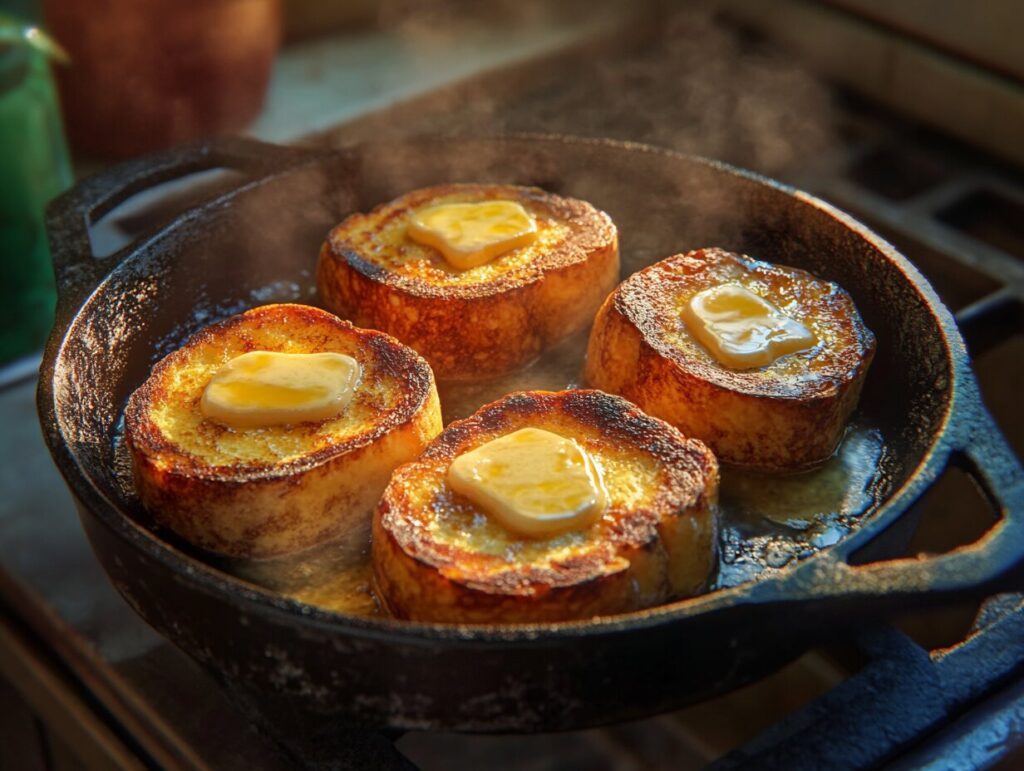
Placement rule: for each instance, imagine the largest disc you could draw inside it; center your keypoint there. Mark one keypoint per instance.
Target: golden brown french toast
(268, 490)
(481, 321)
(786, 413)
(438, 556)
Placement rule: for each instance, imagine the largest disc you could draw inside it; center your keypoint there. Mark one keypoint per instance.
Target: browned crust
(480, 330)
(393, 360)
(646, 299)
(257, 509)
(761, 418)
(625, 568)
(591, 230)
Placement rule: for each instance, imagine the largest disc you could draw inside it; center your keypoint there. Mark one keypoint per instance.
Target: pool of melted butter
(767, 521)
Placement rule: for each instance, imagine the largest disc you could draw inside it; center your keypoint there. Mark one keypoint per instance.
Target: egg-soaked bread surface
(439, 557)
(486, 320)
(787, 414)
(259, 492)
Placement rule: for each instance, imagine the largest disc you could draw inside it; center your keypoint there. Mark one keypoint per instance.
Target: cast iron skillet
(258, 243)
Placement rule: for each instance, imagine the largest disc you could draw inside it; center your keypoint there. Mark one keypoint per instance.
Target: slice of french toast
(482, 321)
(437, 556)
(787, 414)
(264, 491)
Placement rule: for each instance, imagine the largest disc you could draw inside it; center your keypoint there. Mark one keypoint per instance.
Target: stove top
(943, 689)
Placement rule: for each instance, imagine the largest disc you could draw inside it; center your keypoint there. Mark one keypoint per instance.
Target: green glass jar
(34, 168)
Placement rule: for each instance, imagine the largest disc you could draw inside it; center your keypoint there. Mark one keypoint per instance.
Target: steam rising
(690, 82)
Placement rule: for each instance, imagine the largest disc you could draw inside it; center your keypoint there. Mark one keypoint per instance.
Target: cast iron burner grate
(906, 695)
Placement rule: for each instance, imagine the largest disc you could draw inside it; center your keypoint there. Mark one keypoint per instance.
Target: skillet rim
(945, 438)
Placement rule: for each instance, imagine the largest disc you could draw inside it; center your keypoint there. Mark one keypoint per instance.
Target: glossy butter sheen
(265, 388)
(533, 482)
(742, 329)
(473, 234)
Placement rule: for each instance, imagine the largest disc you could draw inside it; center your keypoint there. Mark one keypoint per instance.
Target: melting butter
(742, 329)
(472, 234)
(265, 388)
(533, 482)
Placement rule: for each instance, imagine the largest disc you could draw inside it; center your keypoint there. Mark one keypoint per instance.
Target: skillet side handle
(992, 463)
(69, 216)
(995, 562)
(992, 564)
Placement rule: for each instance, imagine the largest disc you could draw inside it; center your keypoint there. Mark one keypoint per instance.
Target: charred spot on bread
(789, 414)
(275, 490)
(439, 557)
(487, 320)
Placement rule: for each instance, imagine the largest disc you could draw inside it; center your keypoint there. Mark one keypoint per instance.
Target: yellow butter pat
(471, 234)
(533, 482)
(742, 329)
(265, 388)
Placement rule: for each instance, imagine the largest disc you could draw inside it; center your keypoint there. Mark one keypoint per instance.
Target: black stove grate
(905, 695)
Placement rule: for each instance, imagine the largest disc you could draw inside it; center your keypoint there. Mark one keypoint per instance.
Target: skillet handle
(995, 562)
(992, 564)
(69, 216)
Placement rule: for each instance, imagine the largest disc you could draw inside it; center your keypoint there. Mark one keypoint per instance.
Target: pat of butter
(471, 234)
(264, 388)
(534, 482)
(742, 329)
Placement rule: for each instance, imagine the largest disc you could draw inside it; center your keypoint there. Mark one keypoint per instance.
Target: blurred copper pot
(152, 73)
